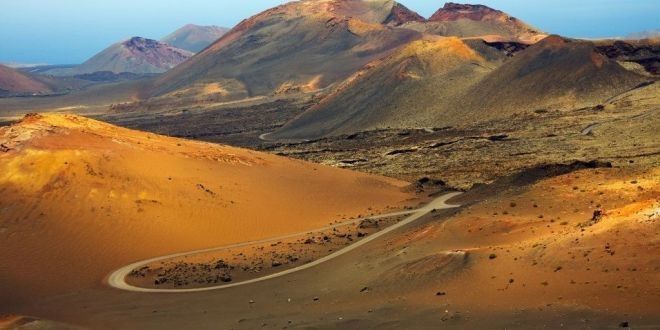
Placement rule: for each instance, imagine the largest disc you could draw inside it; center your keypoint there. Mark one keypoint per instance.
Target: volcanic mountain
(404, 88)
(14, 82)
(194, 38)
(446, 81)
(464, 20)
(136, 55)
(554, 74)
(81, 197)
(301, 46)
(400, 15)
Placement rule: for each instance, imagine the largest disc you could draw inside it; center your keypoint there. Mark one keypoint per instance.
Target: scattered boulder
(368, 224)
(208, 191)
(220, 264)
(509, 48)
(401, 151)
(498, 137)
(427, 183)
(597, 216)
(352, 161)
(351, 136)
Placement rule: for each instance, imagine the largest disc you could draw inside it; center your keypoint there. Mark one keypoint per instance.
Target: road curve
(117, 279)
(264, 137)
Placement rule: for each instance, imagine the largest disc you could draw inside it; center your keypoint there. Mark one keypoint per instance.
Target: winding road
(117, 279)
(264, 137)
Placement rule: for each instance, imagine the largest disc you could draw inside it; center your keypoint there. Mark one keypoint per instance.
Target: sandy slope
(117, 278)
(546, 272)
(81, 198)
(539, 248)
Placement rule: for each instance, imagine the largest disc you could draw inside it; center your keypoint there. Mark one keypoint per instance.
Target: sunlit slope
(406, 88)
(465, 20)
(80, 197)
(439, 82)
(301, 46)
(554, 74)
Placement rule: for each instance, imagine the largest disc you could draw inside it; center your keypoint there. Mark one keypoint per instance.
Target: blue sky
(70, 31)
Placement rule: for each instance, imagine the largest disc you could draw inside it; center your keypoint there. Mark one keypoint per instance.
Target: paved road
(118, 278)
(264, 137)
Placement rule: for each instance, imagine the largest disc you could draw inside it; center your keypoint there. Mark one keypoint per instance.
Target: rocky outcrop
(646, 54)
(401, 15)
(455, 11)
(465, 20)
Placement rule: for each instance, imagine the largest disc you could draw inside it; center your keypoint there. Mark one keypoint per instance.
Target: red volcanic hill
(455, 11)
(401, 14)
(305, 45)
(312, 44)
(464, 20)
(13, 82)
(136, 55)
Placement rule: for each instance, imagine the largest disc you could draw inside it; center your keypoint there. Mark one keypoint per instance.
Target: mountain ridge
(194, 38)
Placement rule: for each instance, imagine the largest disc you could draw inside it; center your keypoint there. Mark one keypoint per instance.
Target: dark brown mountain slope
(554, 74)
(441, 83)
(302, 45)
(405, 88)
(645, 52)
(14, 82)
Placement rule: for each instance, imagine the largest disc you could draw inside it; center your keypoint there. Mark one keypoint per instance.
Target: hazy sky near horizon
(71, 31)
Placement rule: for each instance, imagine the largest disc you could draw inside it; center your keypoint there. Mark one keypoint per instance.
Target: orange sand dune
(80, 198)
(539, 249)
